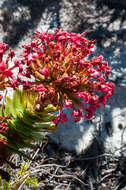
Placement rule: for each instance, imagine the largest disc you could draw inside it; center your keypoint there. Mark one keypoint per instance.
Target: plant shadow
(18, 18)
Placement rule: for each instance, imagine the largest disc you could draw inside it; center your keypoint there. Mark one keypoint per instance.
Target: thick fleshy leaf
(9, 108)
(19, 101)
(2, 109)
(45, 127)
(50, 108)
(25, 124)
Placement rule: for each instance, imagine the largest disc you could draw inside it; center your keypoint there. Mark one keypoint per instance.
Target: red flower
(3, 48)
(0, 97)
(39, 88)
(63, 118)
(2, 66)
(45, 72)
(77, 115)
(7, 73)
(91, 110)
(68, 104)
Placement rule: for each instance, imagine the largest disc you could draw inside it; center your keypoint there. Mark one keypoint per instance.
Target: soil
(63, 170)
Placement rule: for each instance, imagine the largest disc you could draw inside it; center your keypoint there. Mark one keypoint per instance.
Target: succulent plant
(21, 124)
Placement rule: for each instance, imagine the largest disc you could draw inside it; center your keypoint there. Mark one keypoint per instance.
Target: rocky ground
(102, 137)
(58, 169)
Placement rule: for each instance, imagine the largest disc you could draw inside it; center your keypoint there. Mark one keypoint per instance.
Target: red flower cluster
(3, 139)
(6, 72)
(63, 75)
(3, 124)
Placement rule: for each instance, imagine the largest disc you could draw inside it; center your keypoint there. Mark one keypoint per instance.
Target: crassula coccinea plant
(57, 74)
(63, 75)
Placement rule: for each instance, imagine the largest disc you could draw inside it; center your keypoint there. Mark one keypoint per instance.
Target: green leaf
(38, 136)
(46, 117)
(2, 136)
(45, 126)
(21, 144)
(2, 109)
(50, 108)
(19, 103)
(9, 109)
(19, 128)
(28, 118)
(38, 116)
(31, 99)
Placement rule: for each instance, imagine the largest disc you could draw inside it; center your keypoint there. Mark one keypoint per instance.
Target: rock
(112, 134)
(74, 136)
(115, 112)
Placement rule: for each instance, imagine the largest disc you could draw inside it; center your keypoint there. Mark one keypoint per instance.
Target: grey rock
(108, 127)
(74, 136)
